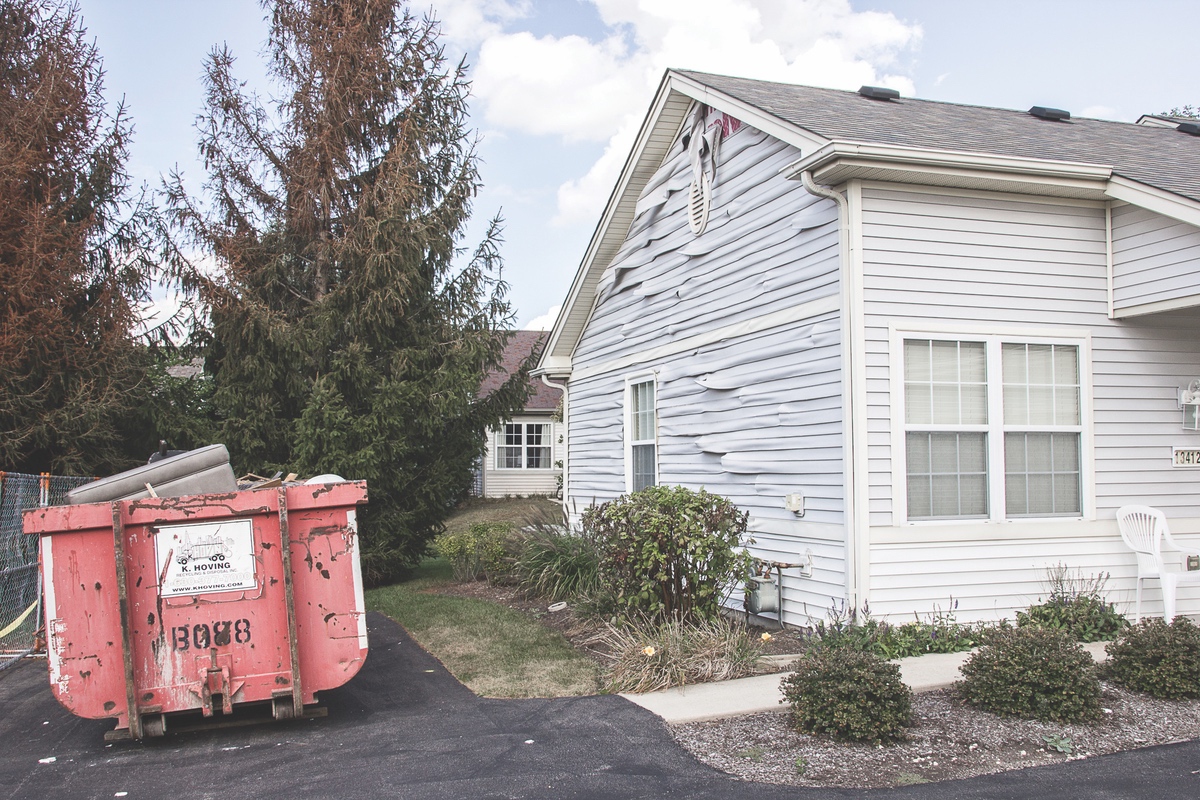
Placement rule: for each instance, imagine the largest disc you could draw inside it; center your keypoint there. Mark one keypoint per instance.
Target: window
(641, 434)
(523, 446)
(992, 429)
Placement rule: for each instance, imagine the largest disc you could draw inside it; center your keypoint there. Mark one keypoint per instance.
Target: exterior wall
(741, 328)
(1156, 260)
(522, 482)
(967, 262)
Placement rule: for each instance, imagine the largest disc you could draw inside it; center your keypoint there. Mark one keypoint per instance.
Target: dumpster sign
(204, 557)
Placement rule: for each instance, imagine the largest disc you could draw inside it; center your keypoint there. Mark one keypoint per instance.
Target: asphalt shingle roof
(520, 345)
(1159, 156)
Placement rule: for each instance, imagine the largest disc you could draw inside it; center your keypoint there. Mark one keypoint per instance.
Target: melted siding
(752, 414)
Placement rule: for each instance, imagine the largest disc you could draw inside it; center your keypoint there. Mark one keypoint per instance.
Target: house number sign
(1184, 457)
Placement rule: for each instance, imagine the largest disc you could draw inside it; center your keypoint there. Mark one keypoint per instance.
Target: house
(522, 454)
(931, 348)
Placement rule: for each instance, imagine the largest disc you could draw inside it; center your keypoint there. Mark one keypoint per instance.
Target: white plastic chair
(1145, 531)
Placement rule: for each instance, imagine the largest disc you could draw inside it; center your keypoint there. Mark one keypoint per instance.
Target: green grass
(494, 650)
(517, 510)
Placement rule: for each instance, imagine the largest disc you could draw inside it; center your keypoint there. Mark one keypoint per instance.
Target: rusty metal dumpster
(164, 605)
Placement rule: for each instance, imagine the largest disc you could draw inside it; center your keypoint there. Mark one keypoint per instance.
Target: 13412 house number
(1185, 457)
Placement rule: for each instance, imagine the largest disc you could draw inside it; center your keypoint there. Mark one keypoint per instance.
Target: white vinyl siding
(943, 264)
(532, 457)
(741, 329)
(1156, 260)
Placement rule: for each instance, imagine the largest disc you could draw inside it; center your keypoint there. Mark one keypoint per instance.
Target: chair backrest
(1142, 529)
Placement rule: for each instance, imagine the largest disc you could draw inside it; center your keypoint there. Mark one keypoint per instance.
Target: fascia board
(578, 303)
(917, 158)
(608, 236)
(1153, 199)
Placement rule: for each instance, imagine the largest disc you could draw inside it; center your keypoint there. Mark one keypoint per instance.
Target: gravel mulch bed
(948, 740)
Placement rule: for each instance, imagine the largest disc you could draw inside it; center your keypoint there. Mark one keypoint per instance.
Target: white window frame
(630, 382)
(992, 337)
(502, 445)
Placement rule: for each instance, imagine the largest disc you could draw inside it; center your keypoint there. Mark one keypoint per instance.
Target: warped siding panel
(1155, 258)
(928, 276)
(751, 417)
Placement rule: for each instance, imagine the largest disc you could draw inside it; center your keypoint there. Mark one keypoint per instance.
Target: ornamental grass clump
(1033, 673)
(648, 655)
(669, 553)
(1076, 606)
(1159, 659)
(849, 695)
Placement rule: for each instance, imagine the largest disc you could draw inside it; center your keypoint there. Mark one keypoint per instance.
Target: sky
(560, 87)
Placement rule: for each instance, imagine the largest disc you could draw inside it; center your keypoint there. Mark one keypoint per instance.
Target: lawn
(495, 650)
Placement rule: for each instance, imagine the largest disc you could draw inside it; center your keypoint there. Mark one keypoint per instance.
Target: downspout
(565, 428)
(848, 372)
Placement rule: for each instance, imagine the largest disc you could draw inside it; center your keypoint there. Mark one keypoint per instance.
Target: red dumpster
(161, 605)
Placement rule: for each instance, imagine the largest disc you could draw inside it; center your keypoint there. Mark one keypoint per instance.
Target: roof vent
(879, 93)
(1189, 127)
(1056, 114)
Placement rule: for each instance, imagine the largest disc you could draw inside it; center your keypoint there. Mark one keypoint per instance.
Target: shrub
(1157, 658)
(556, 564)
(669, 552)
(1076, 606)
(848, 694)
(1034, 673)
(478, 552)
(940, 633)
(649, 655)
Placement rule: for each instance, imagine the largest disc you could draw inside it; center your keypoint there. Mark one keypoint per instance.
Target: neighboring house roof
(842, 135)
(520, 345)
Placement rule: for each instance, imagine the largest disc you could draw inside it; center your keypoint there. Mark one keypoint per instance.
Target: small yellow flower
(649, 651)
(766, 637)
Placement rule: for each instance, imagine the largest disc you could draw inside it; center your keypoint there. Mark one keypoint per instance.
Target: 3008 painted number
(219, 634)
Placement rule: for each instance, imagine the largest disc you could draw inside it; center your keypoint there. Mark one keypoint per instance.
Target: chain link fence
(20, 587)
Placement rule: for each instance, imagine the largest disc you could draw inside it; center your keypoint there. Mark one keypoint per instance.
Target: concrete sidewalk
(761, 693)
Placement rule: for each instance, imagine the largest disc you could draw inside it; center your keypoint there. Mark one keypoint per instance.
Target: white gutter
(920, 157)
(853, 525)
(566, 433)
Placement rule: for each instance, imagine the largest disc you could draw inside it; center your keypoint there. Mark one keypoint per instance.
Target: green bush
(853, 630)
(1034, 673)
(648, 655)
(1076, 606)
(478, 552)
(556, 564)
(1157, 658)
(848, 694)
(669, 552)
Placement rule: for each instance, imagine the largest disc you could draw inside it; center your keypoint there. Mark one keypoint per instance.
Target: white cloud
(467, 23)
(545, 322)
(598, 89)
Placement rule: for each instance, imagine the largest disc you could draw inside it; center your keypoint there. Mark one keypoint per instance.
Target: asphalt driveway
(404, 727)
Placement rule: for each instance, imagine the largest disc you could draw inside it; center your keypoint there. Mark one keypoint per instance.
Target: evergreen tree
(76, 253)
(344, 336)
